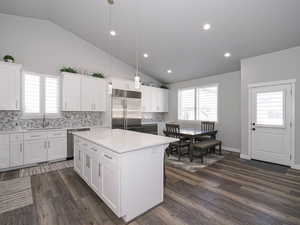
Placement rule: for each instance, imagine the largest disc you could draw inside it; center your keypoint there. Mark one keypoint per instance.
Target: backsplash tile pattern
(10, 120)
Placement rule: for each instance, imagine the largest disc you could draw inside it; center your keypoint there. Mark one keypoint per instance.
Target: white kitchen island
(125, 168)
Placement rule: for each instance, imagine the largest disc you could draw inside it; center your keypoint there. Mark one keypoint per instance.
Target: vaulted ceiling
(170, 31)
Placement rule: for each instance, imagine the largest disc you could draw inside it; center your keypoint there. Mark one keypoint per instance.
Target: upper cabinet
(154, 99)
(83, 93)
(93, 94)
(10, 86)
(71, 84)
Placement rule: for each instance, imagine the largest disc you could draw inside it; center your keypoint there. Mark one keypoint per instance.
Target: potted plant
(68, 69)
(9, 58)
(98, 75)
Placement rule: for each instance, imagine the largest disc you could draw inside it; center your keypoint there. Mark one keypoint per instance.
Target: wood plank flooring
(231, 191)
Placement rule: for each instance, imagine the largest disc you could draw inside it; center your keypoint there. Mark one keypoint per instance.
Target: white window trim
(42, 98)
(195, 87)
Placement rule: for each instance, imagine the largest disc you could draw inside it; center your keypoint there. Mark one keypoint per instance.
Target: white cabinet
(154, 99)
(123, 84)
(16, 150)
(57, 148)
(77, 156)
(86, 170)
(146, 99)
(110, 182)
(71, 84)
(10, 80)
(83, 93)
(35, 151)
(4, 151)
(96, 170)
(93, 94)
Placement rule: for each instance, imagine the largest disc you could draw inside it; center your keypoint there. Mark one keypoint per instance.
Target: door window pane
(269, 108)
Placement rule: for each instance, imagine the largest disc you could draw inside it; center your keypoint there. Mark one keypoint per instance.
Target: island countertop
(122, 141)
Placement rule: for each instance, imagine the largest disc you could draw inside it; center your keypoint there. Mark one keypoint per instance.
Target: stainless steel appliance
(70, 141)
(126, 109)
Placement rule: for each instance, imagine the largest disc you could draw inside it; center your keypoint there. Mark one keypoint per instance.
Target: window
(269, 108)
(200, 103)
(40, 95)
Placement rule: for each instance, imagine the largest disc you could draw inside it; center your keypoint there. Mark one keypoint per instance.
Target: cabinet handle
(107, 156)
(21, 147)
(48, 144)
(79, 157)
(33, 136)
(99, 172)
(45, 144)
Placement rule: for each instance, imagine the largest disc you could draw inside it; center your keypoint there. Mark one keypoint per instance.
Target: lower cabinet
(16, 154)
(35, 151)
(86, 170)
(77, 156)
(4, 151)
(57, 148)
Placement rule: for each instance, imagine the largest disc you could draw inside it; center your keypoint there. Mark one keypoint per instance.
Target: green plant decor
(68, 69)
(98, 75)
(8, 58)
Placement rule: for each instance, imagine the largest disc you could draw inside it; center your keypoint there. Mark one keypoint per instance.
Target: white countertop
(122, 141)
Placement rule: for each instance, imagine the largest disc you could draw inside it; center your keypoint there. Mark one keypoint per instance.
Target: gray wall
(44, 47)
(229, 113)
(276, 66)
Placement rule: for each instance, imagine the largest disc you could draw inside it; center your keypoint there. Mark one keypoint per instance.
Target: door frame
(291, 82)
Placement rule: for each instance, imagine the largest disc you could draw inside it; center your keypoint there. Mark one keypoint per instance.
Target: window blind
(269, 108)
(32, 94)
(207, 103)
(187, 104)
(51, 95)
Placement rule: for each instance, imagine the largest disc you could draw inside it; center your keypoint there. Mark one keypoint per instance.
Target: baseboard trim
(296, 166)
(230, 149)
(243, 156)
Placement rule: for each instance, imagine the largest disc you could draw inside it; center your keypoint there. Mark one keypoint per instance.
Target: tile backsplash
(10, 120)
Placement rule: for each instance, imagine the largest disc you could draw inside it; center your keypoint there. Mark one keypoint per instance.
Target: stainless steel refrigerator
(126, 109)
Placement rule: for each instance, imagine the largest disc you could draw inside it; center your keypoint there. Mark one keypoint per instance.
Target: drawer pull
(33, 136)
(107, 156)
(99, 172)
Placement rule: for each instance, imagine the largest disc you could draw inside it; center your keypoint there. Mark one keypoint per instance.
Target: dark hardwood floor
(231, 191)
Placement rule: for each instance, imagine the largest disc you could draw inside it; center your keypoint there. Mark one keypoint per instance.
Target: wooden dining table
(193, 133)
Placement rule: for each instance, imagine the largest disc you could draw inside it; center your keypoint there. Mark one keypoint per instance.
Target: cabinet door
(146, 99)
(10, 80)
(57, 148)
(110, 182)
(156, 96)
(87, 94)
(71, 92)
(77, 158)
(100, 95)
(165, 100)
(87, 166)
(4, 156)
(16, 154)
(35, 151)
(96, 174)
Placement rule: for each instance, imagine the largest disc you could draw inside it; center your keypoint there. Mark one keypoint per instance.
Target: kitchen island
(124, 168)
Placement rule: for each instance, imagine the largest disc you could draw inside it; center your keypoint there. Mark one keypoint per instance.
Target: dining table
(193, 133)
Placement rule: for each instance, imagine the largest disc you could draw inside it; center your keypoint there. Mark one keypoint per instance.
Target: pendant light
(110, 85)
(137, 79)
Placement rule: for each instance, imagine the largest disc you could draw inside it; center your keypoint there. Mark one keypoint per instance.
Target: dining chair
(206, 126)
(173, 130)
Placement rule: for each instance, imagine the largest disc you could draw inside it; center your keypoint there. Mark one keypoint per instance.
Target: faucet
(45, 124)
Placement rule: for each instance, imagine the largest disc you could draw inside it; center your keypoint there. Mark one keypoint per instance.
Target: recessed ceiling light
(206, 26)
(227, 54)
(146, 55)
(169, 71)
(113, 33)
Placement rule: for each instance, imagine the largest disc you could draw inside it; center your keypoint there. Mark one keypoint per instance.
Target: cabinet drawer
(4, 139)
(16, 138)
(110, 157)
(56, 134)
(35, 135)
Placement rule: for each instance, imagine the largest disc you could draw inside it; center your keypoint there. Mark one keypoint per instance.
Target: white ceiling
(171, 30)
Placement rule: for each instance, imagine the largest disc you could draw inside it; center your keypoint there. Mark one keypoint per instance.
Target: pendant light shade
(137, 81)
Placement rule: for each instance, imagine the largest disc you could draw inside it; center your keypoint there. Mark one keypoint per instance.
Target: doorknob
(253, 124)
(253, 129)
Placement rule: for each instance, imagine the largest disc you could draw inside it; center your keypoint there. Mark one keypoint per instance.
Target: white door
(35, 151)
(271, 133)
(71, 92)
(57, 148)
(16, 154)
